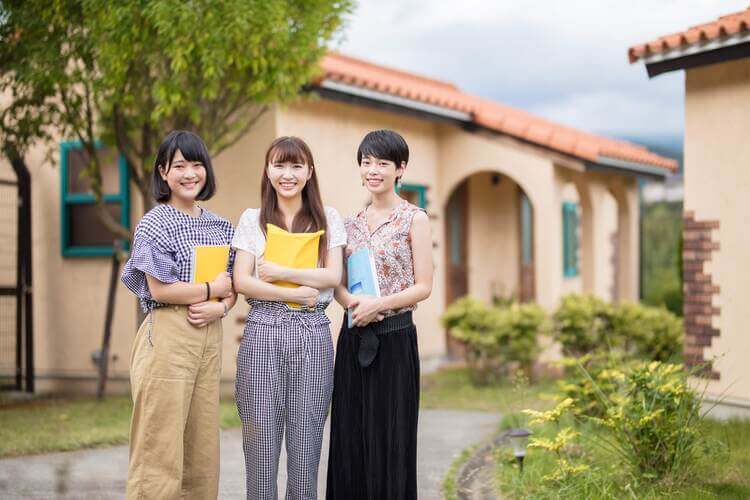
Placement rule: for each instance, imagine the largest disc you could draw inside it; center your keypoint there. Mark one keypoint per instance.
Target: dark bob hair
(193, 149)
(384, 145)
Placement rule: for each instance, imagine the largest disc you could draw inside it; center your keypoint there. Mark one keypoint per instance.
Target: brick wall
(699, 245)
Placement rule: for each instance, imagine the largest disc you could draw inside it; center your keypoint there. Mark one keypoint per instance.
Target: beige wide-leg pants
(175, 371)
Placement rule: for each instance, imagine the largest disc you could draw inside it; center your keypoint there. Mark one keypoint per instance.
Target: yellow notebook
(208, 261)
(295, 250)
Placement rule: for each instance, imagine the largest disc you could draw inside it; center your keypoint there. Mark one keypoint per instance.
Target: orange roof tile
(725, 26)
(489, 114)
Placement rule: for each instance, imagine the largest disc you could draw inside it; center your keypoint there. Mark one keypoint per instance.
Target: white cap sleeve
(245, 236)
(336, 231)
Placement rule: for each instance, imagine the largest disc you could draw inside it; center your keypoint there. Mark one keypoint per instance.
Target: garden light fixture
(519, 439)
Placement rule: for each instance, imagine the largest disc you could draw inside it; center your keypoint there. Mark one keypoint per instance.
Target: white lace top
(249, 237)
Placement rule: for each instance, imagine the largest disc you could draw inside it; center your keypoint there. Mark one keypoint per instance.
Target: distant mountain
(666, 145)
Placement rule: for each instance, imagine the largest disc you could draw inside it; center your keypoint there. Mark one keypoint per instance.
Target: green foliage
(654, 428)
(643, 438)
(495, 337)
(592, 382)
(648, 332)
(129, 72)
(583, 324)
(662, 255)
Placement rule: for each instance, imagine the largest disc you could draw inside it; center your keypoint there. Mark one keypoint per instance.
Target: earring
(363, 183)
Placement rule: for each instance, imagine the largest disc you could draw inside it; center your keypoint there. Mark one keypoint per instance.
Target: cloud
(566, 61)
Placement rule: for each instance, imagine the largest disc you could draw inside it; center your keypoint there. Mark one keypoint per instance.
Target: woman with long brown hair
(285, 360)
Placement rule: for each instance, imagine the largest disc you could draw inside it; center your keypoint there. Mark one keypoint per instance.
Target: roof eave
(629, 167)
(394, 100)
(723, 49)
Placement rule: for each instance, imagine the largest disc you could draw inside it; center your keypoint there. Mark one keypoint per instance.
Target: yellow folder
(295, 250)
(208, 262)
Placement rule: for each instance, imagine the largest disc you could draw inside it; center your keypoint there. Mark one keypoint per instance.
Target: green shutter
(68, 199)
(570, 239)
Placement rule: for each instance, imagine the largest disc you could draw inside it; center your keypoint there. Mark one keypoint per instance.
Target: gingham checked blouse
(163, 244)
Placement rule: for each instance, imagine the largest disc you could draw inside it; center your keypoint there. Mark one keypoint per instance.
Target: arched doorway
(489, 247)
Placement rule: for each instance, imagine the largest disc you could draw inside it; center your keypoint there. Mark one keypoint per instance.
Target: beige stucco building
(716, 60)
(519, 206)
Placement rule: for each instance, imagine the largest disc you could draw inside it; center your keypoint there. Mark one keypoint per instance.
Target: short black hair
(193, 149)
(385, 145)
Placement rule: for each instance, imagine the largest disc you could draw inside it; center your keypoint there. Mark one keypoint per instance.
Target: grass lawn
(52, 424)
(452, 389)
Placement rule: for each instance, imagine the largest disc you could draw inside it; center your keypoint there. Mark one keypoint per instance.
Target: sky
(562, 60)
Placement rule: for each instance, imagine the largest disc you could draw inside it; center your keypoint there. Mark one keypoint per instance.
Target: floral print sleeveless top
(390, 244)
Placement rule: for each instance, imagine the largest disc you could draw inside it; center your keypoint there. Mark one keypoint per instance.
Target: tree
(126, 73)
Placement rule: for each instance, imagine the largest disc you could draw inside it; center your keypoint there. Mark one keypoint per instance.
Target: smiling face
(378, 175)
(288, 178)
(184, 178)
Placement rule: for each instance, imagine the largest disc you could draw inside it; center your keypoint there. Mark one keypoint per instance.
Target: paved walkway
(100, 473)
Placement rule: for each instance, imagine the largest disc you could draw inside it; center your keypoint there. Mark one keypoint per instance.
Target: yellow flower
(553, 415)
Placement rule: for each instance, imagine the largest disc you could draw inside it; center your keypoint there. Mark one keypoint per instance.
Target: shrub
(586, 324)
(655, 426)
(648, 332)
(593, 382)
(582, 324)
(649, 431)
(495, 338)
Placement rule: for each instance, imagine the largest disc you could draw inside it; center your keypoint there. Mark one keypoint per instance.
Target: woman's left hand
(203, 313)
(269, 272)
(366, 310)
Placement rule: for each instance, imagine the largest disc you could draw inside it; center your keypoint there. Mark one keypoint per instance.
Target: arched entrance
(489, 247)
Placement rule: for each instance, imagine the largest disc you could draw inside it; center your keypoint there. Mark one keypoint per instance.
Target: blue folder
(361, 276)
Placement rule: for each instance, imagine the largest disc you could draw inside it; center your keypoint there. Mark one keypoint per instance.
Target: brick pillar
(699, 290)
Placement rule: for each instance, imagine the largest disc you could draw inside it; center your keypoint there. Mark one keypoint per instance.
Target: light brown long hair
(311, 216)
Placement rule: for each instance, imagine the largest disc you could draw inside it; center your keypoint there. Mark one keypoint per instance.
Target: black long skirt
(373, 447)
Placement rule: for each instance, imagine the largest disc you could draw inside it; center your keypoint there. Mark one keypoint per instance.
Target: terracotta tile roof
(725, 26)
(489, 114)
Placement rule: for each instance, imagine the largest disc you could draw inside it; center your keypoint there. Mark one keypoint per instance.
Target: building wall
(717, 184)
(70, 293)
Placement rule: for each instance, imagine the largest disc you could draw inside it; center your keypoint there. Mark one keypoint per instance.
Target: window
(415, 194)
(527, 238)
(570, 239)
(82, 233)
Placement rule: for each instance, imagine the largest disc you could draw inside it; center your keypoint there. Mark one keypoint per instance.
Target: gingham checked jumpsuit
(284, 379)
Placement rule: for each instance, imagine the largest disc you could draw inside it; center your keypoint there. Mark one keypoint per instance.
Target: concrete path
(100, 473)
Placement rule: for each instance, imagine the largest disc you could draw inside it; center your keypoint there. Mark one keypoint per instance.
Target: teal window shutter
(570, 239)
(414, 193)
(81, 232)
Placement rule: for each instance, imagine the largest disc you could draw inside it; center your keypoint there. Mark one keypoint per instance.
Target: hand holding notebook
(361, 276)
(295, 250)
(208, 261)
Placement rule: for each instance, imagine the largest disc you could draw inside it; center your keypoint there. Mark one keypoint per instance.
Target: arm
(252, 287)
(321, 277)
(181, 292)
(341, 291)
(203, 313)
(367, 308)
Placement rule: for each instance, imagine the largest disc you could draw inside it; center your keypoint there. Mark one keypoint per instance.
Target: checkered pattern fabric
(163, 244)
(284, 383)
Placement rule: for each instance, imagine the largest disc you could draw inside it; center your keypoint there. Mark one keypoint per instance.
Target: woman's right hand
(307, 296)
(221, 286)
